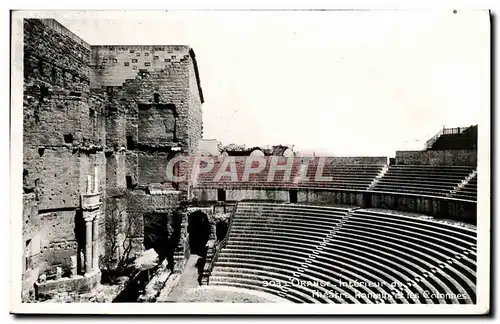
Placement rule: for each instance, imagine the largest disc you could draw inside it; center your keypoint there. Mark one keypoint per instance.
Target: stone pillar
(182, 252)
(74, 265)
(91, 202)
(96, 179)
(89, 184)
(95, 245)
(88, 245)
(58, 273)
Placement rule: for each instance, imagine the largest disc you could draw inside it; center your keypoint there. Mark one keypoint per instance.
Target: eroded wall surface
(437, 157)
(63, 144)
(115, 113)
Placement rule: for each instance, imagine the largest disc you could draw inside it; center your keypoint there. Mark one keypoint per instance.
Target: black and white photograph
(250, 161)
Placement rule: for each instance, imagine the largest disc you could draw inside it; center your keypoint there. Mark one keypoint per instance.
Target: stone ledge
(91, 201)
(80, 284)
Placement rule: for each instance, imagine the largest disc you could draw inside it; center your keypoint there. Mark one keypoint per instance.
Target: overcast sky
(337, 82)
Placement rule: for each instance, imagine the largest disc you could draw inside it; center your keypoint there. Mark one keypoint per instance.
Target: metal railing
(444, 131)
(455, 130)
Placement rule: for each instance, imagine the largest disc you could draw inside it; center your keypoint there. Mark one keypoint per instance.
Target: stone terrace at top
(136, 77)
(114, 64)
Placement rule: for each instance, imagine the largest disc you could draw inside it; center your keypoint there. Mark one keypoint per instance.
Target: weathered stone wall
(124, 111)
(378, 160)
(437, 157)
(153, 103)
(330, 197)
(63, 142)
(203, 194)
(116, 171)
(440, 207)
(195, 99)
(140, 207)
(157, 85)
(115, 64)
(152, 168)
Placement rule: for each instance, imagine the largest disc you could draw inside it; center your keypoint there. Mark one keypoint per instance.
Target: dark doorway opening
(130, 142)
(293, 196)
(131, 181)
(68, 138)
(199, 232)
(221, 230)
(221, 195)
(367, 200)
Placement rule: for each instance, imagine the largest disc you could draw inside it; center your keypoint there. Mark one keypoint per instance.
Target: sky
(340, 83)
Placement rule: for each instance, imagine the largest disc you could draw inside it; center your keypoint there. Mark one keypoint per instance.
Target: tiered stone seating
(315, 254)
(420, 254)
(260, 179)
(268, 242)
(341, 176)
(422, 179)
(469, 191)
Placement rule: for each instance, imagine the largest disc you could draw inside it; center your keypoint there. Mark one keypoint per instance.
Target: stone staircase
(329, 237)
(378, 177)
(462, 184)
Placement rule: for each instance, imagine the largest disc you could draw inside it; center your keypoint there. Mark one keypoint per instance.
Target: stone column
(95, 245)
(88, 245)
(96, 179)
(74, 265)
(89, 184)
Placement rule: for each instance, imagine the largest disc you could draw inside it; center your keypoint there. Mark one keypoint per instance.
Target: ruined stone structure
(100, 125)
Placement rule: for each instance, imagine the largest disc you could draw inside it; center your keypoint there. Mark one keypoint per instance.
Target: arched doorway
(199, 232)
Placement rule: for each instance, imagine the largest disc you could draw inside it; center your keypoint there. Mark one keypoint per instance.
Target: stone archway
(199, 229)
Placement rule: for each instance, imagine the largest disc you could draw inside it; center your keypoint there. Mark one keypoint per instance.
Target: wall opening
(293, 196)
(130, 142)
(44, 92)
(221, 229)
(68, 138)
(131, 182)
(199, 232)
(75, 94)
(156, 98)
(158, 233)
(41, 150)
(221, 195)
